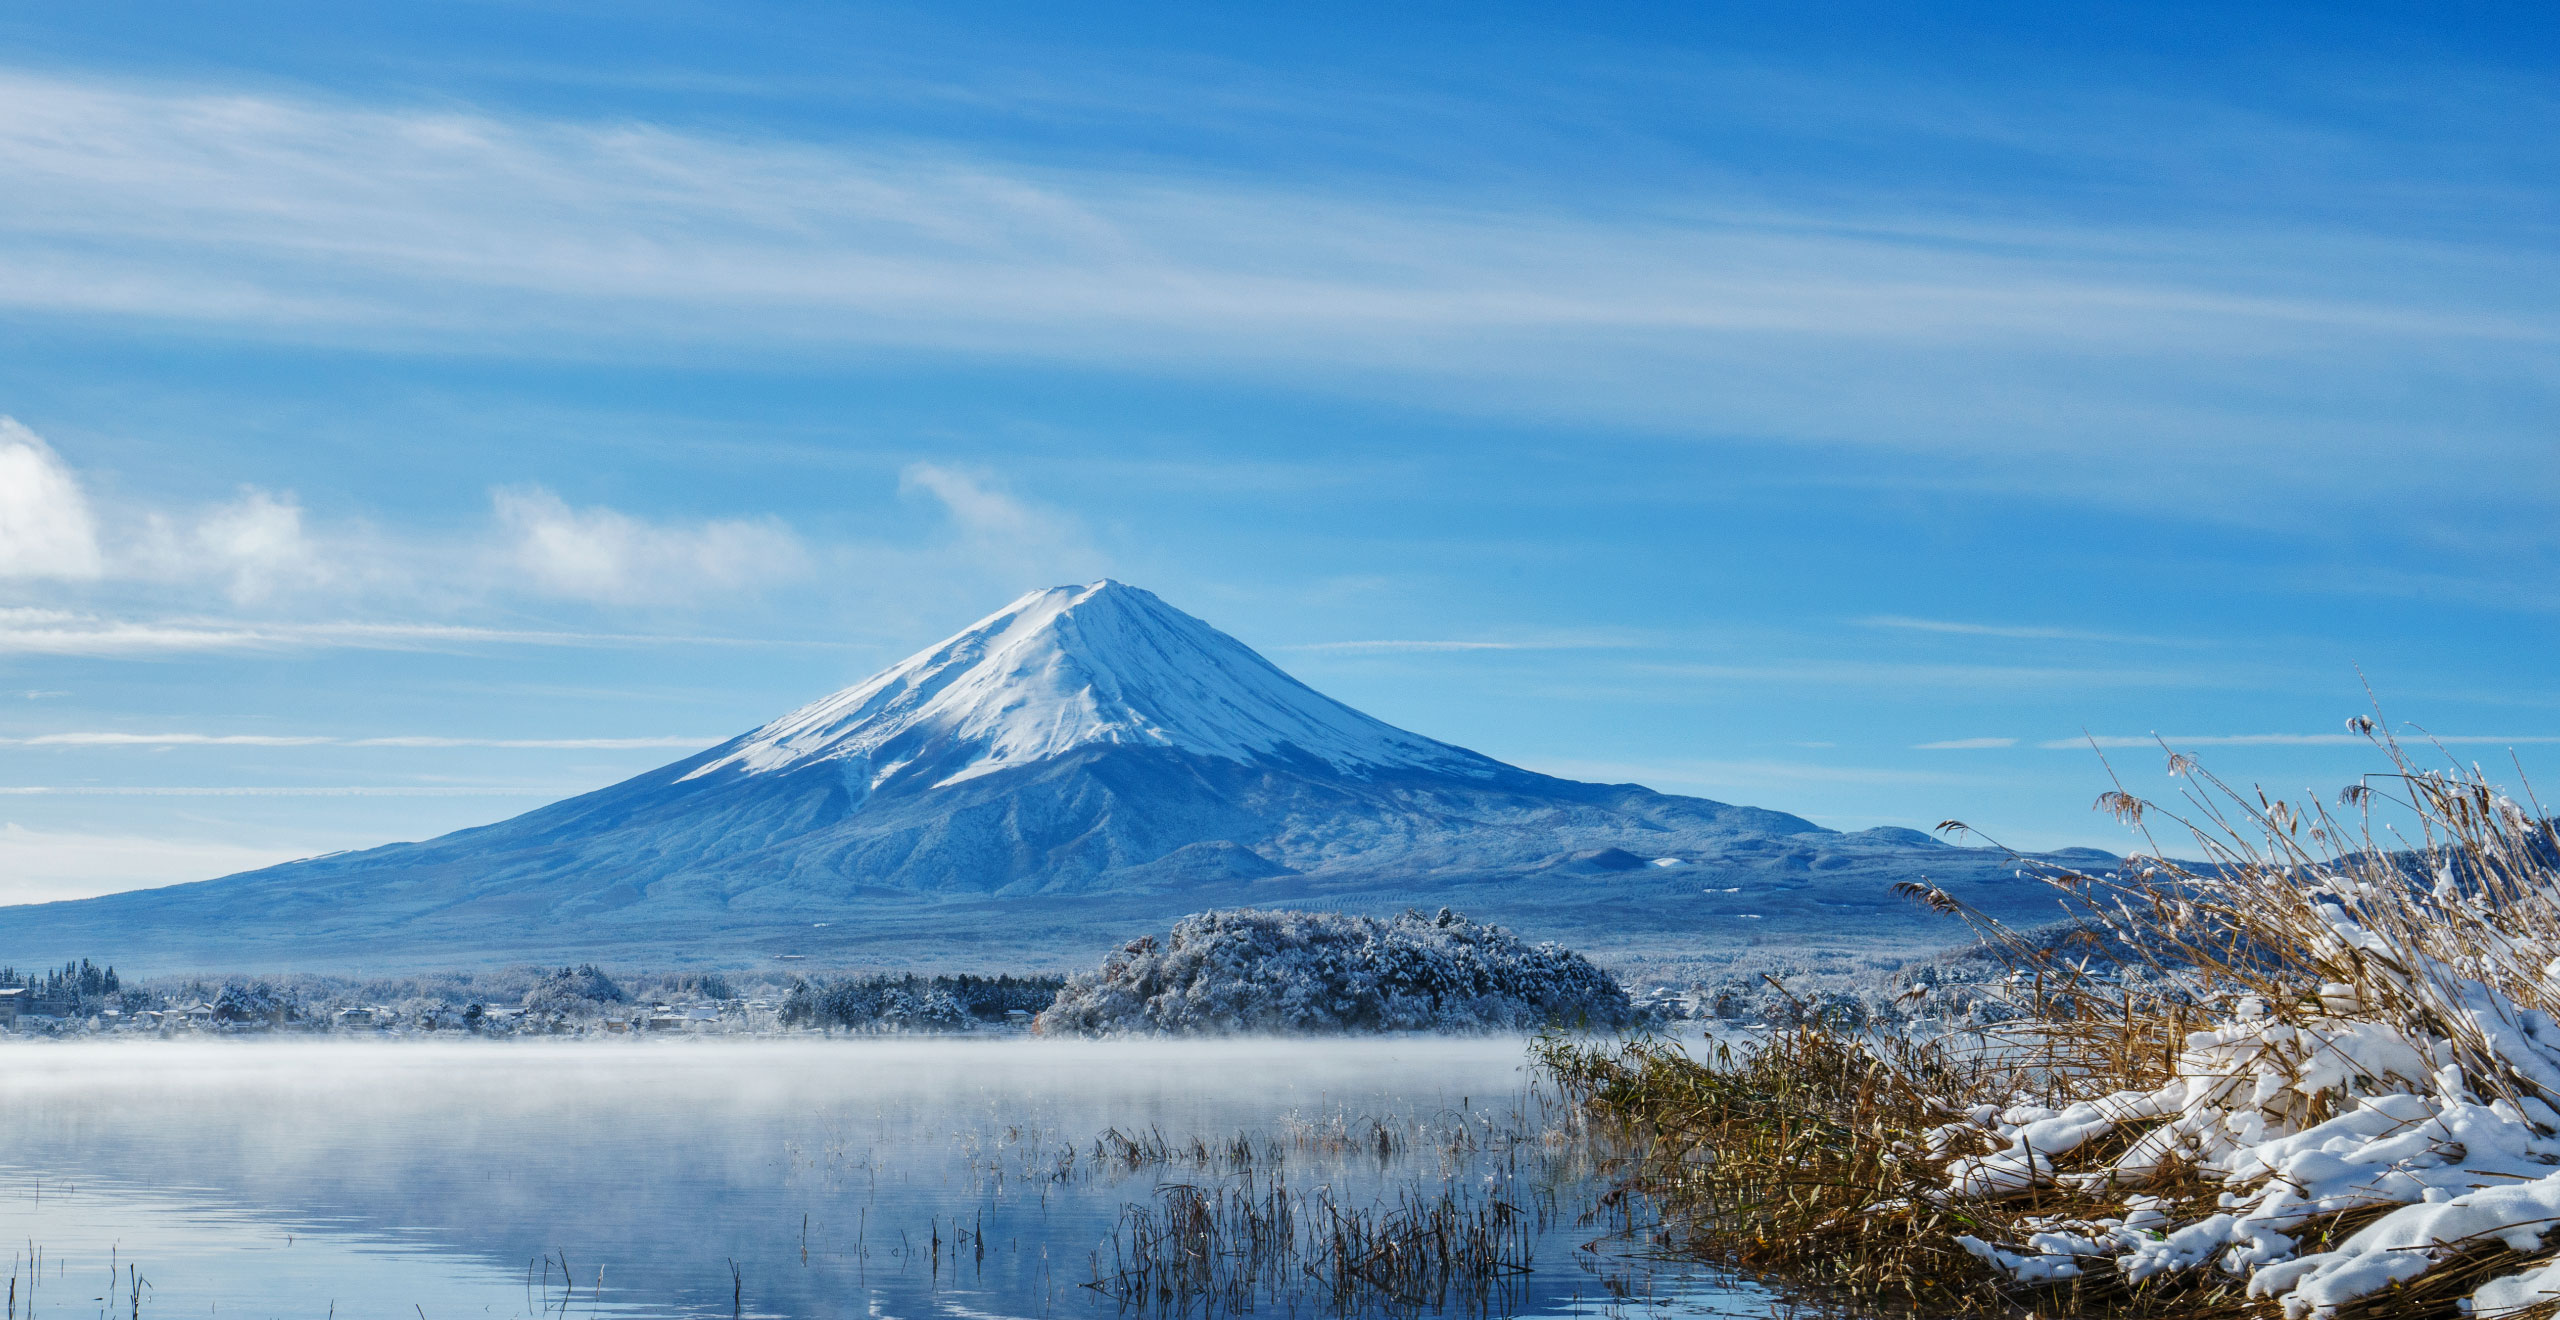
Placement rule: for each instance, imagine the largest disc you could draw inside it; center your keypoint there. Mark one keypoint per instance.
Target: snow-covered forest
(1321, 973)
(916, 1003)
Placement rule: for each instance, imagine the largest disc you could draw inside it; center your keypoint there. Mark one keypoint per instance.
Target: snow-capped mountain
(1085, 760)
(1072, 667)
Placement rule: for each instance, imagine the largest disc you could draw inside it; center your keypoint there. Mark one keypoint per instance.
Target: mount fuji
(1082, 763)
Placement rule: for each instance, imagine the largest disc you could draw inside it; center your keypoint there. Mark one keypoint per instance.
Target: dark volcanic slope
(1086, 761)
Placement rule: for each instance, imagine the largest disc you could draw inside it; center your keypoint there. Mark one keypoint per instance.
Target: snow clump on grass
(2334, 1091)
(2374, 1099)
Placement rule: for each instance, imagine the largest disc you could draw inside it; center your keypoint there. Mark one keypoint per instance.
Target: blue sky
(419, 414)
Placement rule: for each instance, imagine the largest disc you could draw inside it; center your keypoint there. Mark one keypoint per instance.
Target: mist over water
(879, 1177)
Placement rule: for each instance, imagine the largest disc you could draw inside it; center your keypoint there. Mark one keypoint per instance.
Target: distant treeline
(73, 983)
(557, 989)
(916, 1003)
(573, 993)
(72, 978)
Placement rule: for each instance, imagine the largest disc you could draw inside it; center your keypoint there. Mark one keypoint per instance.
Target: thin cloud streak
(1728, 773)
(166, 740)
(111, 739)
(2020, 632)
(2295, 740)
(573, 744)
(366, 790)
(1964, 745)
(1863, 673)
(29, 631)
(1392, 647)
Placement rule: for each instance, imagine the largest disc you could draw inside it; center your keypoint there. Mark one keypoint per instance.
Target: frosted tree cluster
(915, 1003)
(574, 991)
(254, 1003)
(876, 1003)
(1324, 973)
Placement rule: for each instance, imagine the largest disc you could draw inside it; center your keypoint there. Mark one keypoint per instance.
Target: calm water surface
(877, 1178)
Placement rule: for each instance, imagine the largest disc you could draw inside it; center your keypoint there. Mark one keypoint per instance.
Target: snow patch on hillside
(1069, 667)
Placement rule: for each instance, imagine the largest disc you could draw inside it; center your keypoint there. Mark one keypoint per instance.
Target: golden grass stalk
(2313, 960)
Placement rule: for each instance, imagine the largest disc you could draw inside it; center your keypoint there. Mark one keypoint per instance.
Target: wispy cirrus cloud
(2113, 742)
(2014, 631)
(2296, 740)
(999, 535)
(27, 630)
(570, 744)
(281, 791)
(439, 227)
(1725, 774)
(106, 739)
(112, 738)
(1390, 646)
(437, 219)
(1888, 673)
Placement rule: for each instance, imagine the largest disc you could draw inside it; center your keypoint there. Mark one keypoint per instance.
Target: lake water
(883, 1178)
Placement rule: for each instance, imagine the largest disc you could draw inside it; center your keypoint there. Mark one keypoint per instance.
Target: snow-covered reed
(2337, 1092)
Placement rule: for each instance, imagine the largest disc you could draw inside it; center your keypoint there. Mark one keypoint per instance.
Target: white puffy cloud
(605, 555)
(258, 543)
(46, 528)
(255, 547)
(120, 570)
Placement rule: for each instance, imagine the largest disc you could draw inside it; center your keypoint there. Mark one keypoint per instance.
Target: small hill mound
(1602, 861)
(1244, 971)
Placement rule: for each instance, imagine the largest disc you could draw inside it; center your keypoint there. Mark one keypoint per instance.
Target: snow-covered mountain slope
(1085, 755)
(1071, 667)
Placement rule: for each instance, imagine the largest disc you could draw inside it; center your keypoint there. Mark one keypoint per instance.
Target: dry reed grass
(2422, 903)
(1239, 1248)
